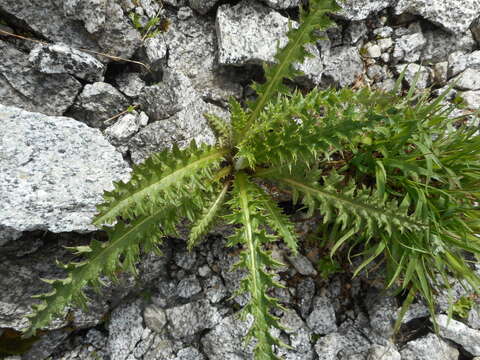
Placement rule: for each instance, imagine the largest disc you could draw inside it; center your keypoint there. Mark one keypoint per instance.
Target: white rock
(373, 50)
(281, 4)
(155, 49)
(126, 126)
(456, 16)
(458, 62)
(385, 44)
(468, 80)
(471, 99)
(429, 347)
(408, 48)
(343, 66)
(322, 318)
(202, 6)
(459, 333)
(424, 78)
(361, 9)
(378, 352)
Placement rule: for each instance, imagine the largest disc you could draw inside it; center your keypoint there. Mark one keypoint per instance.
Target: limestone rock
(471, 99)
(54, 171)
(63, 59)
(458, 62)
(455, 16)
(23, 86)
(408, 48)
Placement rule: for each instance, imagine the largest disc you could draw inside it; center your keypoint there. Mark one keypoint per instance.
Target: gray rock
(343, 66)
(214, 289)
(46, 345)
(173, 94)
(204, 271)
(440, 44)
(460, 334)
(193, 50)
(424, 78)
(189, 353)
(54, 171)
(94, 25)
(383, 32)
(455, 16)
(185, 259)
(107, 23)
(361, 9)
(281, 4)
(322, 318)
(356, 30)
(189, 286)
(471, 99)
(382, 312)
(429, 347)
(458, 62)
(440, 71)
(184, 13)
(155, 50)
(473, 319)
(226, 340)
(327, 347)
(378, 352)
(63, 59)
(23, 86)
(130, 84)
(408, 48)
(125, 126)
(377, 73)
(179, 111)
(154, 318)
(468, 80)
(202, 6)
(191, 318)
(302, 265)
(305, 291)
(8, 234)
(97, 103)
(125, 330)
(415, 311)
(248, 33)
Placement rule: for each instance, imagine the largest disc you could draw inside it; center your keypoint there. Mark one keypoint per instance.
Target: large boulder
(53, 171)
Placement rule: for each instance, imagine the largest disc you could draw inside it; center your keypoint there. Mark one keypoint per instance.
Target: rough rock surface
(361, 9)
(429, 347)
(97, 103)
(455, 16)
(460, 334)
(192, 50)
(22, 85)
(248, 33)
(92, 24)
(63, 59)
(54, 171)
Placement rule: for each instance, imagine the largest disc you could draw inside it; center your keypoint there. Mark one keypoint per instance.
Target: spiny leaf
(207, 217)
(163, 175)
(102, 258)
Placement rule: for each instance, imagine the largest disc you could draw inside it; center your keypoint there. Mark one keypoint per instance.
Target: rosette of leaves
(392, 176)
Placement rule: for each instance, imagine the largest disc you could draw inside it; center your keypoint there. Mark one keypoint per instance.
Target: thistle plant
(393, 177)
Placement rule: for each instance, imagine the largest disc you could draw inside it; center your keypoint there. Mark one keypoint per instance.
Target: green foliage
(463, 306)
(153, 26)
(327, 266)
(393, 177)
